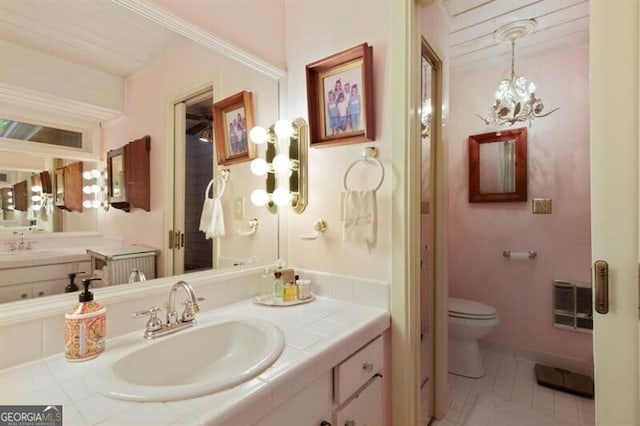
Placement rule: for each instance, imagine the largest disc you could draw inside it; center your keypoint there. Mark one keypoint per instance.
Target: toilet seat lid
(470, 309)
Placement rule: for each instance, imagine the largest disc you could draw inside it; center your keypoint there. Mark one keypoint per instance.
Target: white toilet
(468, 322)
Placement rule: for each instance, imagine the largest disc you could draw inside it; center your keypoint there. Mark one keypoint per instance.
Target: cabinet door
(12, 293)
(365, 409)
(137, 167)
(73, 187)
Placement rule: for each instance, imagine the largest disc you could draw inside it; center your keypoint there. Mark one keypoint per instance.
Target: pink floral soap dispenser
(85, 327)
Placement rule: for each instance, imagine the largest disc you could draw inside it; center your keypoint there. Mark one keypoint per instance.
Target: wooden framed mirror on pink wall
(498, 166)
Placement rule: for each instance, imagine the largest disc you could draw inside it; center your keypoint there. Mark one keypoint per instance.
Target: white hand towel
(207, 211)
(359, 218)
(216, 224)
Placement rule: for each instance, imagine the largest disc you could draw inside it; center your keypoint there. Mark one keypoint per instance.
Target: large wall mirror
(263, 246)
(498, 166)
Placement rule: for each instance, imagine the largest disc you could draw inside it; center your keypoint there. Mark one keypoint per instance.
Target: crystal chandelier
(516, 99)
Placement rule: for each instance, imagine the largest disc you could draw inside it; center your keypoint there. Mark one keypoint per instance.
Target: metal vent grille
(572, 305)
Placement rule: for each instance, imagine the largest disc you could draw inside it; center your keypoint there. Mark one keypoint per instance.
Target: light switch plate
(238, 208)
(542, 205)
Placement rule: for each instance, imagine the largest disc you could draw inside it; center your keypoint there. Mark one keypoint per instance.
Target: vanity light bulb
(281, 163)
(95, 173)
(86, 189)
(95, 203)
(86, 204)
(36, 198)
(86, 175)
(36, 188)
(283, 128)
(259, 167)
(259, 197)
(281, 196)
(95, 189)
(258, 135)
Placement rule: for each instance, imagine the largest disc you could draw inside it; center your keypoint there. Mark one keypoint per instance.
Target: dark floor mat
(564, 380)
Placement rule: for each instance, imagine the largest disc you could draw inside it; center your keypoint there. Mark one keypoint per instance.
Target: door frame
(181, 95)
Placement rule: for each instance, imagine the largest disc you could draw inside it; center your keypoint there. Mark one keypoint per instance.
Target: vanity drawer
(356, 370)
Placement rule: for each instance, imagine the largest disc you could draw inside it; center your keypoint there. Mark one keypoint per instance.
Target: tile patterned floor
(509, 388)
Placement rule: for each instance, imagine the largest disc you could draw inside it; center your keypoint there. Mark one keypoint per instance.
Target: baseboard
(553, 360)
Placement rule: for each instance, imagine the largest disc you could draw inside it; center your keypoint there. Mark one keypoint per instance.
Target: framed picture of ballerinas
(340, 98)
(232, 120)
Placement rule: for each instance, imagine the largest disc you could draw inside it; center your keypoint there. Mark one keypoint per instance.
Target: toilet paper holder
(531, 254)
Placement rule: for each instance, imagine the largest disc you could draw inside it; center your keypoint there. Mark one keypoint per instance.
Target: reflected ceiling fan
(203, 125)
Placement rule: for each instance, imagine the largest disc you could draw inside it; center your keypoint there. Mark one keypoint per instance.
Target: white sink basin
(201, 360)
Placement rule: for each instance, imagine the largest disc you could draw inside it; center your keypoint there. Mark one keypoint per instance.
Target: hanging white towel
(359, 218)
(212, 219)
(216, 224)
(207, 212)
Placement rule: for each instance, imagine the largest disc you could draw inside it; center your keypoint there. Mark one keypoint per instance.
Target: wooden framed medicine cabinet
(129, 175)
(498, 166)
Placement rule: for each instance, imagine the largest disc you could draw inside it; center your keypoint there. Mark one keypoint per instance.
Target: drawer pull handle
(368, 367)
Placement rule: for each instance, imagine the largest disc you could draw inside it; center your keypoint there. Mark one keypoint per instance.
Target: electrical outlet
(542, 205)
(238, 208)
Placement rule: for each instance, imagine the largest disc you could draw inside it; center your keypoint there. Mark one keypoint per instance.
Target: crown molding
(187, 29)
(30, 98)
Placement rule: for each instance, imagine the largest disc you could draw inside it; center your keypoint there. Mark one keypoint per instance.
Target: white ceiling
(473, 23)
(98, 34)
(105, 36)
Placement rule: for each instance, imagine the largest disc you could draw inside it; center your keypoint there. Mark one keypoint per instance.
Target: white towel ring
(369, 155)
(221, 179)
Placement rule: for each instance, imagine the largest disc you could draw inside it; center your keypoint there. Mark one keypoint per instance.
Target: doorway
(194, 160)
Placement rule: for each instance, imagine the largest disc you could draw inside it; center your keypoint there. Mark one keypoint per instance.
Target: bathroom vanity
(38, 264)
(333, 367)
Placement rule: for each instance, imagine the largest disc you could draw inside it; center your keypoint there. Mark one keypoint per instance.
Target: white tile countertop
(318, 335)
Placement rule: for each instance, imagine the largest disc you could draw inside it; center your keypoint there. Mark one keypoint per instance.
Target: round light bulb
(36, 188)
(95, 203)
(281, 196)
(36, 198)
(86, 174)
(283, 128)
(86, 204)
(95, 173)
(258, 135)
(259, 197)
(259, 167)
(86, 189)
(281, 163)
(95, 188)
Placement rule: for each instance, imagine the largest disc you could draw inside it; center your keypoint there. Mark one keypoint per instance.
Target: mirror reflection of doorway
(194, 163)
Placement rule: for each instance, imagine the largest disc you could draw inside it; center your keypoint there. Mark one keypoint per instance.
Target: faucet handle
(154, 322)
(190, 309)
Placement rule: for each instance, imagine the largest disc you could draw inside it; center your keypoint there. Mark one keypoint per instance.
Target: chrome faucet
(156, 328)
(191, 306)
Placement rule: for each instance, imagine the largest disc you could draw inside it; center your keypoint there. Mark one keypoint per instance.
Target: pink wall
(315, 30)
(558, 164)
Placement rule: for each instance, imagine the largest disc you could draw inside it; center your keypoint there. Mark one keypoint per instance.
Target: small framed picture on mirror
(232, 120)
